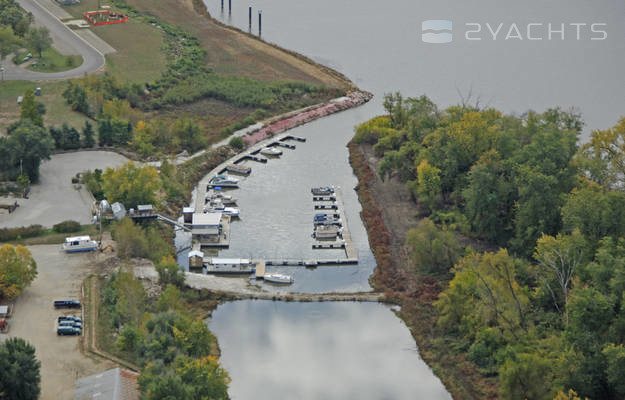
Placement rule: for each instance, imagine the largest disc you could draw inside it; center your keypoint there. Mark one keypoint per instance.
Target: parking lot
(34, 318)
(54, 198)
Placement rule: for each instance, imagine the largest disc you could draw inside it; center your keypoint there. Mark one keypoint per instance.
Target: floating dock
(350, 249)
(324, 198)
(285, 145)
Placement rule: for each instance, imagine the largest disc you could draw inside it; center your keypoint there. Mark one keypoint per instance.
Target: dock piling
(250, 19)
(229, 6)
(260, 22)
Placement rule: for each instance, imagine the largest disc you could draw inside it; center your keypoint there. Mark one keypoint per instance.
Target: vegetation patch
(533, 301)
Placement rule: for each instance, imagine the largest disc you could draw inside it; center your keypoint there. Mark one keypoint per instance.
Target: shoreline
(414, 294)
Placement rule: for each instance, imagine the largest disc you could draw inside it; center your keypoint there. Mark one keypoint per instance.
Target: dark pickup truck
(66, 304)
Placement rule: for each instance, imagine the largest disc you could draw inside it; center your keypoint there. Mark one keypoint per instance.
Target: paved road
(55, 199)
(92, 58)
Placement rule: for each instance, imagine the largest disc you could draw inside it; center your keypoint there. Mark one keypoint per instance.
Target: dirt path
(60, 276)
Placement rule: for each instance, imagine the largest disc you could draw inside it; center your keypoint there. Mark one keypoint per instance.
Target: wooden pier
(223, 240)
(333, 245)
(260, 268)
(350, 249)
(285, 145)
(291, 137)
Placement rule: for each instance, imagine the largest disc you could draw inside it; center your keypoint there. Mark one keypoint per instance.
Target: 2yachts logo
(440, 31)
(436, 31)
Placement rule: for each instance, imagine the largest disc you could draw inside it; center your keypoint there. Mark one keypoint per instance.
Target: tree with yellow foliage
(17, 270)
(131, 185)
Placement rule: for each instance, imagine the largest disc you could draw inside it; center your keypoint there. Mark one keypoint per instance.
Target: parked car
(70, 318)
(67, 322)
(67, 330)
(66, 304)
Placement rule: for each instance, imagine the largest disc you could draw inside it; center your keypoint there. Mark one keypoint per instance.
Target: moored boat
(79, 243)
(271, 151)
(322, 191)
(278, 278)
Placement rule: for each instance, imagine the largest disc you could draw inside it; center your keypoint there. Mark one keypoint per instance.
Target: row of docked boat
(219, 202)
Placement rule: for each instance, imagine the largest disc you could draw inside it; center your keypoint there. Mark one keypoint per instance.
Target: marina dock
(350, 249)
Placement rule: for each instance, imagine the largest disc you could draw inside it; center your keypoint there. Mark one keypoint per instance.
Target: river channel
(530, 55)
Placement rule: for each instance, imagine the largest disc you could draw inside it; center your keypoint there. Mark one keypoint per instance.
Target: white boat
(79, 243)
(220, 208)
(230, 266)
(271, 151)
(222, 179)
(217, 197)
(278, 278)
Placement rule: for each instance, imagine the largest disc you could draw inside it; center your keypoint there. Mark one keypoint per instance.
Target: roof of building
(186, 210)
(77, 239)
(208, 219)
(196, 253)
(145, 207)
(4, 310)
(114, 384)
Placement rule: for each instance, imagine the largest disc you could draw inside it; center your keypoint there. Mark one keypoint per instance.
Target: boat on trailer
(77, 244)
(278, 278)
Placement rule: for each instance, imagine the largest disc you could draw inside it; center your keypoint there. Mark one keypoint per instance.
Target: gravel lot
(55, 199)
(60, 276)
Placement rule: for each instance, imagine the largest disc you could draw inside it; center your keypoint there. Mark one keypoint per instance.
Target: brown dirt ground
(233, 52)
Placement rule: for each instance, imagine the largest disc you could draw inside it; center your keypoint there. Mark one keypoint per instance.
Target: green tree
(603, 157)
(169, 272)
(429, 191)
(130, 238)
(188, 133)
(527, 376)
(485, 292)
(131, 185)
(17, 270)
(170, 299)
(87, 133)
(9, 42)
(29, 144)
(39, 39)
(206, 379)
(559, 258)
(615, 355)
(489, 198)
(30, 111)
(432, 249)
(105, 132)
(20, 378)
(595, 212)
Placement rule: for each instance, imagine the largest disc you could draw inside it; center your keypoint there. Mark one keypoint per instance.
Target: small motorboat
(271, 151)
(230, 211)
(79, 243)
(217, 197)
(279, 278)
(223, 179)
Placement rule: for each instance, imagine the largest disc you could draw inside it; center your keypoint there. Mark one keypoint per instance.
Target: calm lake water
(529, 56)
(276, 350)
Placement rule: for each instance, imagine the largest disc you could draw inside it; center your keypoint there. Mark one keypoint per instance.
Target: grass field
(234, 53)
(57, 111)
(139, 57)
(51, 61)
(51, 237)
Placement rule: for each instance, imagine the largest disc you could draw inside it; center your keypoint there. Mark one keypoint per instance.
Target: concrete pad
(55, 198)
(95, 41)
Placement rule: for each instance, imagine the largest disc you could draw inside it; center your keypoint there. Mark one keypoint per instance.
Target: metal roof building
(114, 384)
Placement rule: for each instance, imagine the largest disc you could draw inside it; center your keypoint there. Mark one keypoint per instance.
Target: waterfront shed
(196, 260)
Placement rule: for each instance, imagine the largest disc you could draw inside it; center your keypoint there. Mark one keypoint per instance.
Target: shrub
(237, 143)
(23, 232)
(66, 227)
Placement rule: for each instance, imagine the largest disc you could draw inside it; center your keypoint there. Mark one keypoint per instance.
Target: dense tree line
(174, 349)
(545, 310)
(20, 377)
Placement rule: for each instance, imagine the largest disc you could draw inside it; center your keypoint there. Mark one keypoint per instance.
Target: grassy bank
(49, 236)
(414, 293)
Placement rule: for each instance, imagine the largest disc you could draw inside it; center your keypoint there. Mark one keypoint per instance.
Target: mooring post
(222, 5)
(250, 18)
(260, 22)
(229, 6)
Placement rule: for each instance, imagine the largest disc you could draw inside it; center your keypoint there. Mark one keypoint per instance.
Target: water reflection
(276, 350)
